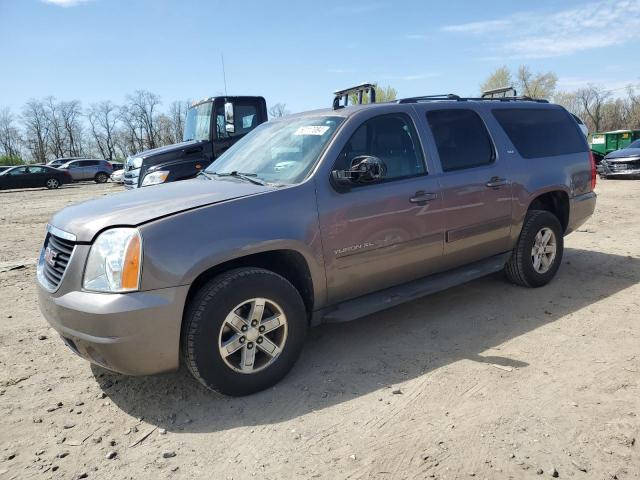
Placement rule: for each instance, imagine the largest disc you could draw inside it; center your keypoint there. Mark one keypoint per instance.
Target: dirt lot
(485, 380)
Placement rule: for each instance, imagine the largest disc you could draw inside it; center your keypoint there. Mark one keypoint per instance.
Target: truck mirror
(229, 124)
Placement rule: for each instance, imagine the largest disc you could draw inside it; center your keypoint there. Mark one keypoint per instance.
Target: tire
(206, 324)
(101, 177)
(52, 183)
(521, 268)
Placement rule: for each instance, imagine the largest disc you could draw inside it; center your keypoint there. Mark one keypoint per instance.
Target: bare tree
(103, 120)
(177, 116)
(535, 85)
(36, 123)
(10, 137)
(55, 131)
(592, 98)
(71, 117)
(142, 113)
(278, 110)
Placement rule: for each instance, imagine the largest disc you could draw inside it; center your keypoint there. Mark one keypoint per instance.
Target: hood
(139, 206)
(168, 148)
(623, 153)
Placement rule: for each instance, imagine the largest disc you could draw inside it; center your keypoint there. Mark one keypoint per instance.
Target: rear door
(36, 176)
(476, 187)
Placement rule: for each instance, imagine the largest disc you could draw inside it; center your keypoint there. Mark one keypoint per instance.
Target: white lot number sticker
(312, 130)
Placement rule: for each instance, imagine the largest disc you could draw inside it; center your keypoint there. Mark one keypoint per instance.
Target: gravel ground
(484, 380)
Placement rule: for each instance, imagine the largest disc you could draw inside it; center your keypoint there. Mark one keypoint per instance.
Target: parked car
(58, 162)
(117, 166)
(322, 216)
(212, 125)
(30, 176)
(118, 176)
(603, 143)
(96, 170)
(3, 168)
(622, 163)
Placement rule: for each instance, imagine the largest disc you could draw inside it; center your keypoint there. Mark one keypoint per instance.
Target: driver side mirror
(364, 169)
(229, 124)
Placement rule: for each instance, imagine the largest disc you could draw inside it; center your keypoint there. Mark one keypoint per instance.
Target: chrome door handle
(421, 197)
(496, 182)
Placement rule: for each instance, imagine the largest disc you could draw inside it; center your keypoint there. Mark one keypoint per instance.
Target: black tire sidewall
(538, 222)
(101, 178)
(206, 316)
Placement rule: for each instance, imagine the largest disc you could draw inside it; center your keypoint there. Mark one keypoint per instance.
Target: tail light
(592, 159)
(109, 165)
(66, 172)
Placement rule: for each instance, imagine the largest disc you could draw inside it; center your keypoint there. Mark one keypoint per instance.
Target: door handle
(496, 182)
(422, 197)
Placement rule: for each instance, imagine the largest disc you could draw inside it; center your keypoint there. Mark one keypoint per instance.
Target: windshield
(281, 152)
(197, 123)
(634, 144)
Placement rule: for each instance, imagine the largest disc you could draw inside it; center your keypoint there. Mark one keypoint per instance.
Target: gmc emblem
(50, 256)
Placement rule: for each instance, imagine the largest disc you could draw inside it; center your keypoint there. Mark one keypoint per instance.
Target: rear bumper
(581, 207)
(134, 334)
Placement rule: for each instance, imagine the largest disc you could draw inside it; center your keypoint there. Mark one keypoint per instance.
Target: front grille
(131, 178)
(57, 253)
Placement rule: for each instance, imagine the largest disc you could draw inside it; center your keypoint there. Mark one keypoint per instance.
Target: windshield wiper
(205, 175)
(248, 177)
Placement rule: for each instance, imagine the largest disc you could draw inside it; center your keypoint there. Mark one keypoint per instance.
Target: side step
(390, 297)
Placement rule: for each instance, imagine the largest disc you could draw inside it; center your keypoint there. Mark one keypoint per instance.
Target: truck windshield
(280, 152)
(198, 122)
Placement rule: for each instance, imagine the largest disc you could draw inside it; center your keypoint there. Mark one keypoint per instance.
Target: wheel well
(556, 202)
(287, 263)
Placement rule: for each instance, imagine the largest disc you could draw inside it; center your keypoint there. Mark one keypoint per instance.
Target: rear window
(540, 132)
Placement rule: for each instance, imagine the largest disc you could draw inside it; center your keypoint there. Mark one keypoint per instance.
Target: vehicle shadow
(341, 362)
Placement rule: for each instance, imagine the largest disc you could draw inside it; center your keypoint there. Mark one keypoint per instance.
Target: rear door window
(461, 138)
(541, 132)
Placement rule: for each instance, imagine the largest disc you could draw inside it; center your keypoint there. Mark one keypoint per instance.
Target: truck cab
(212, 125)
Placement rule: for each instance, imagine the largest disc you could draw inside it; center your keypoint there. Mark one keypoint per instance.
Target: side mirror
(364, 169)
(229, 124)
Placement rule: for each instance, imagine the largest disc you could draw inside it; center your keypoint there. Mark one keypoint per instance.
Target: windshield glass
(197, 123)
(281, 152)
(634, 144)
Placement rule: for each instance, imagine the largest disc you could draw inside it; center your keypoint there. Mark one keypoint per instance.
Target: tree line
(600, 109)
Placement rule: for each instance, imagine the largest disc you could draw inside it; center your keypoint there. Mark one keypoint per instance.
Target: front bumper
(623, 168)
(134, 333)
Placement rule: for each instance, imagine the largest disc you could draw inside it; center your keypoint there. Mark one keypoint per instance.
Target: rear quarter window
(540, 132)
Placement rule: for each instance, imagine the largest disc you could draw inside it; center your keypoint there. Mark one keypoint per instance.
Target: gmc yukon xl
(323, 216)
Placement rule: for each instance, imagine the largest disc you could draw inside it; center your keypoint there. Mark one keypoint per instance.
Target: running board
(390, 297)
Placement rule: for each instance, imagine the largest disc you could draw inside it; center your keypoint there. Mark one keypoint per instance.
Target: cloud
(593, 25)
(416, 36)
(65, 3)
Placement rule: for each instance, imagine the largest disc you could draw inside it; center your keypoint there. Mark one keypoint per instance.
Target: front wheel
(243, 331)
(52, 183)
(538, 253)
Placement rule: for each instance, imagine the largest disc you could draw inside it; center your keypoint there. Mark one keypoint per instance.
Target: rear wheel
(243, 331)
(52, 183)
(538, 253)
(101, 177)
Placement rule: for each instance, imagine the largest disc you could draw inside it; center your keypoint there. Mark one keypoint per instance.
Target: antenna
(224, 75)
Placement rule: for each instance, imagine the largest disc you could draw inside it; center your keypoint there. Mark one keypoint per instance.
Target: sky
(298, 52)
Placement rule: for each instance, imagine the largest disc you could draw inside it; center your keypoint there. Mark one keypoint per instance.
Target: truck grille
(131, 178)
(56, 255)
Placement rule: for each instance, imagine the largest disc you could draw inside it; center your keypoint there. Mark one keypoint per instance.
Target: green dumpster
(607, 142)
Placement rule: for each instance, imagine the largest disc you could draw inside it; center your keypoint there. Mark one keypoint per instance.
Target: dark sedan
(622, 163)
(33, 176)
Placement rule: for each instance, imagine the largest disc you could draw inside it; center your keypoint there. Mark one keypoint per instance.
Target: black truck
(211, 127)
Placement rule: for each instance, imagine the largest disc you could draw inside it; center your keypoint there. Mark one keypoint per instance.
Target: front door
(246, 117)
(379, 235)
(475, 184)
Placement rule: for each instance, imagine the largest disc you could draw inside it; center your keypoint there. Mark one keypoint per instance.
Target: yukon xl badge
(341, 252)
(50, 256)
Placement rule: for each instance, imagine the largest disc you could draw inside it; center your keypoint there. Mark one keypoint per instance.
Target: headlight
(114, 262)
(135, 162)
(155, 178)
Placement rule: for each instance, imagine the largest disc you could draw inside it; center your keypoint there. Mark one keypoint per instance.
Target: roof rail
(499, 92)
(368, 88)
(426, 98)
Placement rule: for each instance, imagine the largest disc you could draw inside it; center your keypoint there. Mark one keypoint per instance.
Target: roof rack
(456, 98)
(426, 98)
(499, 92)
(368, 88)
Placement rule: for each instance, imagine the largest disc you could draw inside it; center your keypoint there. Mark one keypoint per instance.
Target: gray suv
(88, 169)
(323, 216)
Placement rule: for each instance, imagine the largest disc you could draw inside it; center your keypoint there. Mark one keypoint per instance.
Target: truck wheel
(52, 183)
(538, 253)
(243, 331)
(101, 177)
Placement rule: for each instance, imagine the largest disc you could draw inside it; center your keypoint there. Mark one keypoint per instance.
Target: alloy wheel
(253, 335)
(543, 252)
